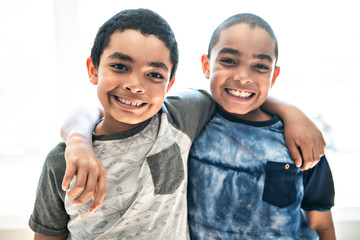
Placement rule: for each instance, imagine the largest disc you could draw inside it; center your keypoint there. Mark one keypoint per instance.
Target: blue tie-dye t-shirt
(243, 183)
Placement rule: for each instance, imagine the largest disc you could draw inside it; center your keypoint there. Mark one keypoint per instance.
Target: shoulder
(189, 110)
(55, 160)
(189, 96)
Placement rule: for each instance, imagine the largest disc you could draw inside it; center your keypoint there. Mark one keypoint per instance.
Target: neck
(110, 125)
(256, 115)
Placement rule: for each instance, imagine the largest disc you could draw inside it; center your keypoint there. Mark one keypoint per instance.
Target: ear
(92, 71)
(275, 75)
(170, 84)
(205, 62)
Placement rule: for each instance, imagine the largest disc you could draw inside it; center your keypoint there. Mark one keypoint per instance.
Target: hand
(305, 142)
(82, 162)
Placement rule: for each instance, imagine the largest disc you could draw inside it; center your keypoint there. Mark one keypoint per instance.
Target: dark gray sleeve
(49, 217)
(190, 110)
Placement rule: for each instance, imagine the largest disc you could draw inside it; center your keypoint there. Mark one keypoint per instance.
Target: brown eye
(227, 61)
(118, 66)
(156, 75)
(261, 67)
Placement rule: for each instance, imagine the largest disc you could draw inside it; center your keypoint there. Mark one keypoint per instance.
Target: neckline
(119, 135)
(232, 118)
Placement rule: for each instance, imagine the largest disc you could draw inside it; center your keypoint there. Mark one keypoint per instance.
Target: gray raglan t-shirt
(146, 180)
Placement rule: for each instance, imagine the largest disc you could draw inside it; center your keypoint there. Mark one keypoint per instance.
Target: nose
(134, 84)
(243, 77)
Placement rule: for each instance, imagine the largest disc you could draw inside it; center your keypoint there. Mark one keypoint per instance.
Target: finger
(307, 155)
(87, 192)
(322, 147)
(99, 194)
(295, 154)
(79, 184)
(316, 156)
(323, 142)
(69, 175)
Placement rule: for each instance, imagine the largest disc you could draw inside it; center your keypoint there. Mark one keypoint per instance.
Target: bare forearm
(283, 110)
(326, 234)
(304, 140)
(80, 123)
(81, 160)
(322, 223)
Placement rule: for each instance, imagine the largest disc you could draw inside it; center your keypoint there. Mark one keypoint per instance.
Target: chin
(236, 111)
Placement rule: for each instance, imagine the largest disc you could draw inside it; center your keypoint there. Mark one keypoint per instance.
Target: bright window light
(44, 45)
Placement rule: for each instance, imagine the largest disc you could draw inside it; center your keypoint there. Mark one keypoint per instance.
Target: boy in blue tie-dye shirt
(242, 181)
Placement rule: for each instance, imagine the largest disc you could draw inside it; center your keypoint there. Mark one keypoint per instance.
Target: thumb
(295, 153)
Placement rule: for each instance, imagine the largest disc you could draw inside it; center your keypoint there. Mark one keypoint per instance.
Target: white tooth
(129, 103)
(239, 94)
(244, 94)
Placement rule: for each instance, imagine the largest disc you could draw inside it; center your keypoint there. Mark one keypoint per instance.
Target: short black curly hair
(144, 20)
(248, 18)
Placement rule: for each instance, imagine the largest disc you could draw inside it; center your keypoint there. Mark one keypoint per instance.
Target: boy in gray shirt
(142, 142)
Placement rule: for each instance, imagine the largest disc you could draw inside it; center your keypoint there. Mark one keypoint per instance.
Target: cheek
(103, 89)
(157, 92)
(216, 82)
(215, 90)
(101, 94)
(108, 82)
(265, 88)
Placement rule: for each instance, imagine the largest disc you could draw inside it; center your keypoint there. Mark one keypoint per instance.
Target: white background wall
(44, 45)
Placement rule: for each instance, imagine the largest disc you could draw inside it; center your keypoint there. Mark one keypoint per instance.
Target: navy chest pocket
(280, 188)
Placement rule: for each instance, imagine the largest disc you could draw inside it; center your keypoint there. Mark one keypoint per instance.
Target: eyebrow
(159, 65)
(124, 57)
(263, 56)
(121, 56)
(230, 50)
(236, 52)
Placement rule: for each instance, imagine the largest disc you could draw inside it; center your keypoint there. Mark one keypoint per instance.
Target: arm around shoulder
(304, 140)
(81, 160)
(190, 110)
(80, 122)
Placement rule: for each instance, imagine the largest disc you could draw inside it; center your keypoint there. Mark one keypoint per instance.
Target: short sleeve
(319, 189)
(190, 110)
(49, 217)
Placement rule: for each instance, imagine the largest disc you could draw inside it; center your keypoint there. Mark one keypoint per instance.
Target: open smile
(240, 94)
(129, 103)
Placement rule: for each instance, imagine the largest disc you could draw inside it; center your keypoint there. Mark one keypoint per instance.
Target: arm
(41, 237)
(81, 160)
(322, 223)
(304, 140)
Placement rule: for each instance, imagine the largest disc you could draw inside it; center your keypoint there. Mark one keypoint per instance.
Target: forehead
(246, 40)
(148, 48)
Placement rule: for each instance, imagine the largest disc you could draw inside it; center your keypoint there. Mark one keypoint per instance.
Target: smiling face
(242, 70)
(132, 78)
